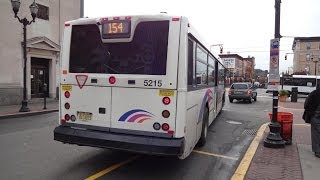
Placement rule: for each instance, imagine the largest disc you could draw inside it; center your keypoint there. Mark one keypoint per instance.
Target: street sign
(274, 75)
(274, 47)
(229, 62)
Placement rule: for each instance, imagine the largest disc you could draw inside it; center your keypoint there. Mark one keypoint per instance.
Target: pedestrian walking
(312, 115)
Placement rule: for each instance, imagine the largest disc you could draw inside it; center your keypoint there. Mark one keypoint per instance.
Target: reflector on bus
(81, 80)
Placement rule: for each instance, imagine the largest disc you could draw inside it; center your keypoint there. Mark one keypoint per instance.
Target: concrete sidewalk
(35, 106)
(295, 161)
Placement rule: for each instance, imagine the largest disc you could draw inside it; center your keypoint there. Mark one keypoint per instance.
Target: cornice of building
(230, 56)
(304, 39)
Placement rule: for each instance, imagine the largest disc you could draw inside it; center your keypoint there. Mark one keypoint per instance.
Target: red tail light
(175, 19)
(165, 127)
(165, 113)
(229, 92)
(112, 80)
(67, 117)
(166, 100)
(104, 19)
(67, 94)
(248, 92)
(62, 121)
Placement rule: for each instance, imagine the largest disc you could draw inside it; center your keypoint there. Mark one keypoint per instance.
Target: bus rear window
(145, 54)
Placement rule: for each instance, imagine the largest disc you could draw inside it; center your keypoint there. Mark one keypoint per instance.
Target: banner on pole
(274, 75)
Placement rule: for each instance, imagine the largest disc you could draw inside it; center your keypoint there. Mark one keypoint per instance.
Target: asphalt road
(28, 150)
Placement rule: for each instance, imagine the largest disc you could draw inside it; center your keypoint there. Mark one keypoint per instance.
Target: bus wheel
(204, 131)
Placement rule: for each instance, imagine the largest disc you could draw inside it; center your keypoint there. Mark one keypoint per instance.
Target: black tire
(250, 100)
(231, 100)
(223, 100)
(204, 130)
(255, 98)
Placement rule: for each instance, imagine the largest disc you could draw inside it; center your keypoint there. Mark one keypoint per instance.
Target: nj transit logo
(136, 115)
(208, 97)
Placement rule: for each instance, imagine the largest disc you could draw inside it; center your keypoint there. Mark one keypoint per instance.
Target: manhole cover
(251, 132)
(234, 122)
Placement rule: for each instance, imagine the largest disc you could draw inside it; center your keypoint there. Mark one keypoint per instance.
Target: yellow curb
(243, 167)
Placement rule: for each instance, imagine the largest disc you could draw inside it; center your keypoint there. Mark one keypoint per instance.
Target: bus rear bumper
(127, 142)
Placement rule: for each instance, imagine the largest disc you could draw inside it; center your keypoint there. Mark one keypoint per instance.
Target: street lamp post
(220, 45)
(273, 139)
(34, 10)
(315, 60)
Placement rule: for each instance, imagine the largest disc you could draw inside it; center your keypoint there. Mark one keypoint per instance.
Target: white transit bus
(305, 83)
(144, 84)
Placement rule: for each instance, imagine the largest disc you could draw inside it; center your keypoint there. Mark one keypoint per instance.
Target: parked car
(242, 91)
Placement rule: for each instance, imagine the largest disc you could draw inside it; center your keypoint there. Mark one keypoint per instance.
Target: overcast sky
(244, 27)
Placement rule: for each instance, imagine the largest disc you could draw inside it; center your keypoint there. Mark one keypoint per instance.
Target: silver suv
(242, 91)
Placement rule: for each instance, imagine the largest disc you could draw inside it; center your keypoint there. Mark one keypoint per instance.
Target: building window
(43, 12)
(308, 57)
(308, 45)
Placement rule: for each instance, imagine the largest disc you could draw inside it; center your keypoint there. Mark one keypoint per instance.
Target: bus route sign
(274, 75)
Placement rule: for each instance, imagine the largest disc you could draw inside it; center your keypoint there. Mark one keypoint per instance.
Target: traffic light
(285, 57)
(221, 49)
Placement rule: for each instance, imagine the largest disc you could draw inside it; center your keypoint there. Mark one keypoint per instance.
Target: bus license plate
(85, 116)
(166, 93)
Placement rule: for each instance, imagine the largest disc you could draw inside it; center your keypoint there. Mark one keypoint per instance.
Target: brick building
(306, 52)
(239, 69)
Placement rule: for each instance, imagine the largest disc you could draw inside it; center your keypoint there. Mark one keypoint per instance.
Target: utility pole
(274, 140)
(277, 19)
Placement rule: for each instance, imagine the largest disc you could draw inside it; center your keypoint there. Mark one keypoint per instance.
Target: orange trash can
(286, 120)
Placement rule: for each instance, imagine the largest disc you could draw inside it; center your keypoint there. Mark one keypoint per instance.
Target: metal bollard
(294, 94)
(45, 96)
